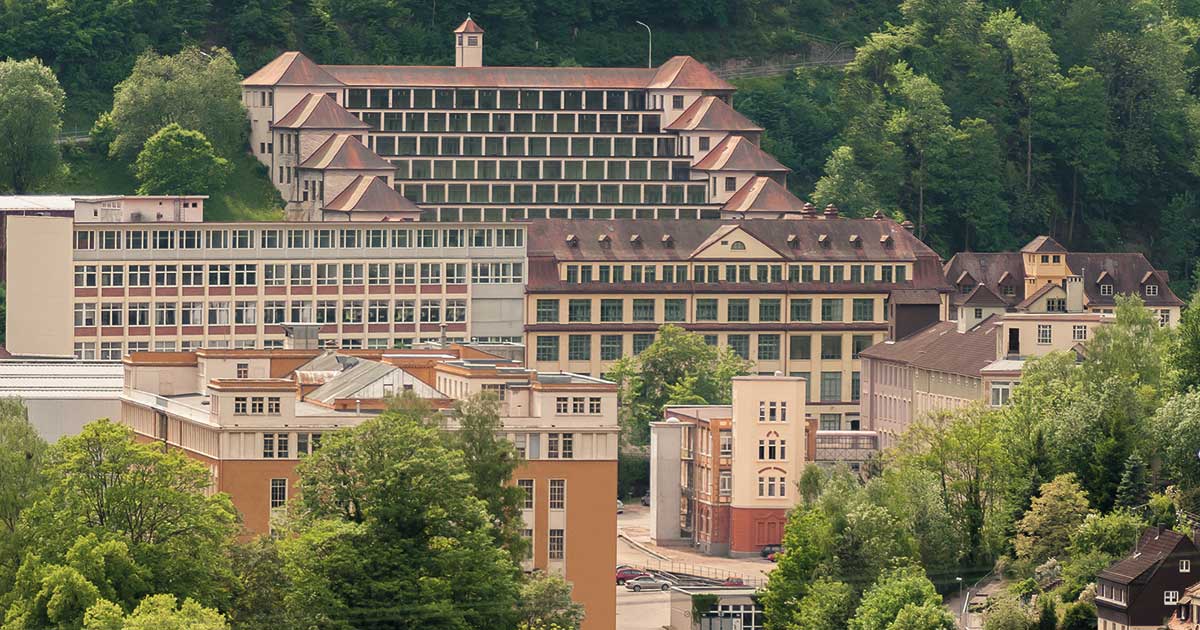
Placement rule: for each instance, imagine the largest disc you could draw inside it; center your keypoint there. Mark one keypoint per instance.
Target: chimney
(442, 335)
(908, 225)
(301, 336)
(831, 211)
(808, 211)
(1074, 288)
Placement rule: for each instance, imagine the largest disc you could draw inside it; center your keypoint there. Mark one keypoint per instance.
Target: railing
(690, 574)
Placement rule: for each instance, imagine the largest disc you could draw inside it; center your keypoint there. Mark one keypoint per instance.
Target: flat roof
(33, 380)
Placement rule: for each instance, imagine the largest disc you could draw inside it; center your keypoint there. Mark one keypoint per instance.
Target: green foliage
(1045, 530)
(678, 368)
(491, 460)
(1047, 614)
(389, 516)
(178, 161)
(827, 605)
(1079, 616)
(1112, 534)
(194, 89)
(260, 586)
(22, 457)
(927, 616)
(1134, 489)
(892, 593)
(1005, 612)
(702, 603)
(545, 601)
(156, 612)
(1176, 425)
(31, 107)
(633, 473)
(1186, 356)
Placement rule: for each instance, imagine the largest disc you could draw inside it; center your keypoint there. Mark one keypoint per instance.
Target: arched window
(738, 246)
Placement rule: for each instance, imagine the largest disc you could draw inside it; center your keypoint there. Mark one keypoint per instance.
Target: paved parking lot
(648, 610)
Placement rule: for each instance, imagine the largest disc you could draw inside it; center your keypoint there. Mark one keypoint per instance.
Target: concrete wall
(665, 494)
(54, 418)
(39, 296)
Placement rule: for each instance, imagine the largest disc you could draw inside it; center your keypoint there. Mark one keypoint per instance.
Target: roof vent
(908, 225)
(668, 241)
(635, 240)
(886, 240)
(572, 240)
(793, 240)
(878, 216)
(808, 209)
(855, 240)
(823, 240)
(604, 240)
(831, 211)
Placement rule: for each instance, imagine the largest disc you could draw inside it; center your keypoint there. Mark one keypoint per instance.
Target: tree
(388, 517)
(827, 605)
(194, 89)
(258, 598)
(155, 501)
(1045, 530)
(807, 539)
(921, 125)
(650, 380)
(1005, 612)
(22, 457)
(896, 589)
(1048, 614)
(846, 186)
(491, 460)
(1186, 351)
(545, 601)
(31, 107)
(1133, 346)
(1112, 534)
(1079, 616)
(178, 161)
(1135, 487)
(1176, 428)
(156, 612)
(926, 616)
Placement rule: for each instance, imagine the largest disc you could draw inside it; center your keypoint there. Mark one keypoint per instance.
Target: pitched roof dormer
(572, 240)
(318, 111)
(294, 69)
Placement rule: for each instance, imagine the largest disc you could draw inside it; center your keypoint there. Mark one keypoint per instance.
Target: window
(1185, 566)
(738, 310)
(831, 346)
(1043, 334)
(431, 311)
(740, 344)
(1056, 305)
(1164, 317)
(768, 347)
(1151, 291)
(831, 386)
(547, 348)
(864, 309)
(802, 310)
(547, 311)
(831, 422)
(677, 102)
(643, 310)
(641, 341)
(1001, 391)
(610, 347)
(557, 544)
(1170, 598)
(558, 493)
(85, 276)
(612, 310)
(831, 310)
(801, 347)
(278, 493)
(85, 314)
(1079, 332)
(1106, 289)
(527, 486)
(706, 310)
(725, 483)
(139, 313)
(110, 314)
(578, 310)
(674, 310)
(579, 347)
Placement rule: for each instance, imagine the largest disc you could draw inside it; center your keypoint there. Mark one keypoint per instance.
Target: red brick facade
(755, 527)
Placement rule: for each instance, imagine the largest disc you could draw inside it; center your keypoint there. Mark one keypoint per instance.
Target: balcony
(846, 446)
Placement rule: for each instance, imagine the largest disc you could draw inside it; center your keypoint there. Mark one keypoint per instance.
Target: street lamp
(959, 580)
(649, 45)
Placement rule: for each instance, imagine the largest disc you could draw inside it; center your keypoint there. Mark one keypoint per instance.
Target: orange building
(250, 415)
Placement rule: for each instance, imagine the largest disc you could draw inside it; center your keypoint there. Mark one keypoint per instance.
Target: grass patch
(248, 195)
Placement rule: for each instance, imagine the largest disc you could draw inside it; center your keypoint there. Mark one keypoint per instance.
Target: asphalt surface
(648, 610)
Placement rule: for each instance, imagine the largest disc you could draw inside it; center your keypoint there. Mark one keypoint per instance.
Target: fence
(687, 573)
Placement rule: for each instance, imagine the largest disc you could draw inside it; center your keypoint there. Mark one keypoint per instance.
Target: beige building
(724, 476)
(102, 290)
(477, 143)
(251, 415)
(802, 297)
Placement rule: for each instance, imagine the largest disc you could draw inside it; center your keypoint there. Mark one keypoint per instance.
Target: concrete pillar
(666, 442)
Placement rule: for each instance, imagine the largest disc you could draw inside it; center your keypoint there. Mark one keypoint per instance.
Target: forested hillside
(984, 121)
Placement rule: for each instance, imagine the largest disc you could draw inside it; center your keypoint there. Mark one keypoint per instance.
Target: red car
(628, 573)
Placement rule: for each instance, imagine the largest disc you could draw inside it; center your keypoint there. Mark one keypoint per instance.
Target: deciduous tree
(31, 108)
(178, 161)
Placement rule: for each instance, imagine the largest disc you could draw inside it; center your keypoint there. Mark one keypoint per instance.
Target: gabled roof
(1043, 245)
(1046, 288)
(965, 278)
(318, 111)
(344, 152)
(1152, 548)
(468, 26)
(723, 232)
(684, 72)
(368, 193)
(763, 194)
(710, 113)
(940, 347)
(983, 297)
(736, 153)
(291, 68)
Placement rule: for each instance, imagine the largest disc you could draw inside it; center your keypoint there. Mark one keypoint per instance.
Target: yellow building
(801, 297)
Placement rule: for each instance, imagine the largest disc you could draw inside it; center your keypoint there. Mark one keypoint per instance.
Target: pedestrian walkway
(633, 527)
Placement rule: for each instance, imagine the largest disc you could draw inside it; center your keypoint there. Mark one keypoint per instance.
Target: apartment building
(102, 290)
(802, 297)
(724, 476)
(251, 415)
(477, 143)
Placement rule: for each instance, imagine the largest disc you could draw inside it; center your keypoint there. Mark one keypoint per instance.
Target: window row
(581, 310)
(769, 346)
(487, 98)
(531, 146)
(262, 406)
(737, 273)
(296, 274)
(251, 312)
(577, 405)
(297, 238)
(114, 350)
(535, 170)
(556, 193)
(278, 445)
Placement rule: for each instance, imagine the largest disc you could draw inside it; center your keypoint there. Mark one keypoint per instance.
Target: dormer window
(855, 240)
(668, 241)
(965, 289)
(737, 246)
(1008, 290)
(1106, 289)
(1056, 258)
(1151, 290)
(572, 240)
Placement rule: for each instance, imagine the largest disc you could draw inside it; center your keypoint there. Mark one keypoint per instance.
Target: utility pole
(649, 45)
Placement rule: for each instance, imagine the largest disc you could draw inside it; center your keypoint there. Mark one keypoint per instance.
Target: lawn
(248, 195)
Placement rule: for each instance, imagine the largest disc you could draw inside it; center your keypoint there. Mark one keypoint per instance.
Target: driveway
(648, 610)
(634, 525)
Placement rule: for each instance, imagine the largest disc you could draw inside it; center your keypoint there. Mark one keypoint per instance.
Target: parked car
(620, 507)
(767, 550)
(733, 581)
(625, 574)
(646, 500)
(774, 557)
(647, 582)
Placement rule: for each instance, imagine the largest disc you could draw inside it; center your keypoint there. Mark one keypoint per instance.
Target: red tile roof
(710, 113)
(493, 76)
(344, 152)
(684, 72)
(941, 348)
(291, 68)
(368, 193)
(1044, 245)
(763, 196)
(736, 153)
(318, 111)
(468, 26)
